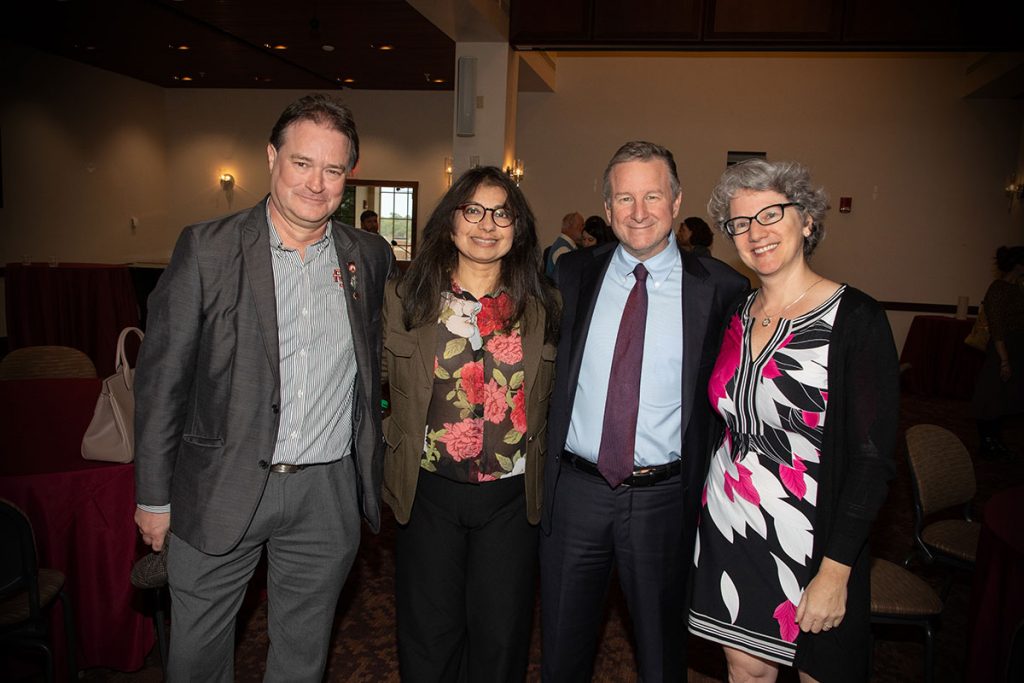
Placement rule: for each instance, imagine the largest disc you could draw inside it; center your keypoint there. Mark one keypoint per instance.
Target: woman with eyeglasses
(469, 348)
(806, 382)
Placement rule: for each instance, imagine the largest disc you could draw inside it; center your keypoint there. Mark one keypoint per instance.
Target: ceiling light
(179, 46)
(275, 46)
(348, 80)
(327, 48)
(183, 78)
(383, 47)
(437, 80)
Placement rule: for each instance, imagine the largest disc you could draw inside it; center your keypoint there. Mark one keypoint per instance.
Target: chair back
(33, 362)
(941, 468)
(19, 570)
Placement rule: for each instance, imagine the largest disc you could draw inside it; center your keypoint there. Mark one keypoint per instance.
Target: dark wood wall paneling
(775, 25)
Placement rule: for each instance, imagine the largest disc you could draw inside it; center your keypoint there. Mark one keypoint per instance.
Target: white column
(493, 98)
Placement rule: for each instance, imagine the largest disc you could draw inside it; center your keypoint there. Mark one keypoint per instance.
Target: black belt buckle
(649, 476)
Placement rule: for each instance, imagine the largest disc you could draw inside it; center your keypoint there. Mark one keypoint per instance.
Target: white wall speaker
(465, 103)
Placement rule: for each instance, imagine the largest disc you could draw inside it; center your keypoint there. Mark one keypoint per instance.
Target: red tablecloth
(81, 512)
(941, 364)
(997, 597)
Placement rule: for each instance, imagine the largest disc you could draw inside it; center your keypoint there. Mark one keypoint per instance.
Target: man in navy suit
(643, 521)
(257, 411)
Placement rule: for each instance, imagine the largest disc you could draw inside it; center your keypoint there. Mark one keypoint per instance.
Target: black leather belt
(642, 476)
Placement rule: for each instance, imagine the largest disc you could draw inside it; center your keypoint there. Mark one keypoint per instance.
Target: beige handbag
(978, 337)
(111, 433)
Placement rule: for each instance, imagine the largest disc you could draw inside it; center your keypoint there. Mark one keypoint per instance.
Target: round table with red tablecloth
(82, 515)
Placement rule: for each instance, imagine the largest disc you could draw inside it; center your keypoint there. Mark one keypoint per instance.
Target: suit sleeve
(163, 378)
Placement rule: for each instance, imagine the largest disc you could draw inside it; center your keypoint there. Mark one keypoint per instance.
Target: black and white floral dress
(756, 533)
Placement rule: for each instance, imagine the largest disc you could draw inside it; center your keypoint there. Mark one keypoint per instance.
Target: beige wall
(85, 150)
(402, 135)
(925, 167)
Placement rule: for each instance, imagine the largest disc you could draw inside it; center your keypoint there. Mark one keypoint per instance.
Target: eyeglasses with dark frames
(769, 215)
(474, 213)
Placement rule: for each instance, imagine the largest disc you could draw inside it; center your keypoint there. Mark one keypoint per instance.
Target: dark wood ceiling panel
(228, 41)
(790, 21)
(655, 21)
(542, 22)
(982, 24)
(839, 25)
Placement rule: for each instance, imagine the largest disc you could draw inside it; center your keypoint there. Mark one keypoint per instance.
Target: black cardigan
(861, 423)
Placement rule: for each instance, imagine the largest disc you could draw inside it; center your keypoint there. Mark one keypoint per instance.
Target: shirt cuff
(158, 509)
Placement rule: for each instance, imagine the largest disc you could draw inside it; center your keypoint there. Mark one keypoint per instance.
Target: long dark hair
(437, 257)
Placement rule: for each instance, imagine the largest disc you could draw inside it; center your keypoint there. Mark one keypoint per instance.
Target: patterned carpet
(363, 646)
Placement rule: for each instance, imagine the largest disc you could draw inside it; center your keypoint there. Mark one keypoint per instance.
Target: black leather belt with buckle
(642, 476)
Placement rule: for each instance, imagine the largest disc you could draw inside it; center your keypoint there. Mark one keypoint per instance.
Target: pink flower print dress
(756, 531)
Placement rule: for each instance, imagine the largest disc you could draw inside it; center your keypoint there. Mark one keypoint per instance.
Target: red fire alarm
(845, 204)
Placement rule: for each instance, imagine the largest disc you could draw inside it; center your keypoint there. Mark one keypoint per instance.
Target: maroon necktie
(618, 435)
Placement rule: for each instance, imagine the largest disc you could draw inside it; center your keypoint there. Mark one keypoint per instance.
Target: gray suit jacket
(207, 386)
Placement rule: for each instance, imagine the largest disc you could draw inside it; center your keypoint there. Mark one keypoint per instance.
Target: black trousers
(640, 531)
(465, 578)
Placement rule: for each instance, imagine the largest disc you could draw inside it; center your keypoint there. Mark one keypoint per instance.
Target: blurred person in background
(1000, 389)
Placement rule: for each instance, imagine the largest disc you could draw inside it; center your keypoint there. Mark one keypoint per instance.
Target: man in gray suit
(257, 406)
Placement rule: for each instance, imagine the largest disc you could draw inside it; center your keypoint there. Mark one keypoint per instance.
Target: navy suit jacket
(709, 289)
(208, 384)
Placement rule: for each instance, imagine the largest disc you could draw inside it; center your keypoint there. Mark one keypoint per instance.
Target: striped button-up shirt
(318, 368)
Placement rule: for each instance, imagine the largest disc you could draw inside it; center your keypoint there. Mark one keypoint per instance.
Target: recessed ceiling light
(437, 80)
(348, 80)
(183, 78)
(327, 48)
(275, 46)
(179, 46)
(383, 47)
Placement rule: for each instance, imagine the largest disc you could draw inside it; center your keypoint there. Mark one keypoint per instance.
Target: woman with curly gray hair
(806, 382)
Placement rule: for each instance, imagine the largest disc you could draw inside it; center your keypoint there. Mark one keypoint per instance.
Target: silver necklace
(767, 319)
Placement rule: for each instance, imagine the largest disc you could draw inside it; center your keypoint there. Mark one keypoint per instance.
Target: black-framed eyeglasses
(474, 213)
(766, 216)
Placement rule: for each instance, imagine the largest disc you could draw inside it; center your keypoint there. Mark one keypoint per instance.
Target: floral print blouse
(476, 423)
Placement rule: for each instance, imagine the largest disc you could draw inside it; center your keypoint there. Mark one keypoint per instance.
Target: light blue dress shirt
(659, 422)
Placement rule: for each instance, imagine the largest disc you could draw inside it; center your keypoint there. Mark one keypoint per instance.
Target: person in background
(596, 231)
(257, 419)
(628, 429)
(568, 240)
(1000, 389)
(469, 347)
(369, 221)
(807, 381)
(695, 236)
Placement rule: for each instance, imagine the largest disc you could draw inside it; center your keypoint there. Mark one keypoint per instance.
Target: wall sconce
(516, 171)
(449, 168)
(227, 181)
(1014, 192)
